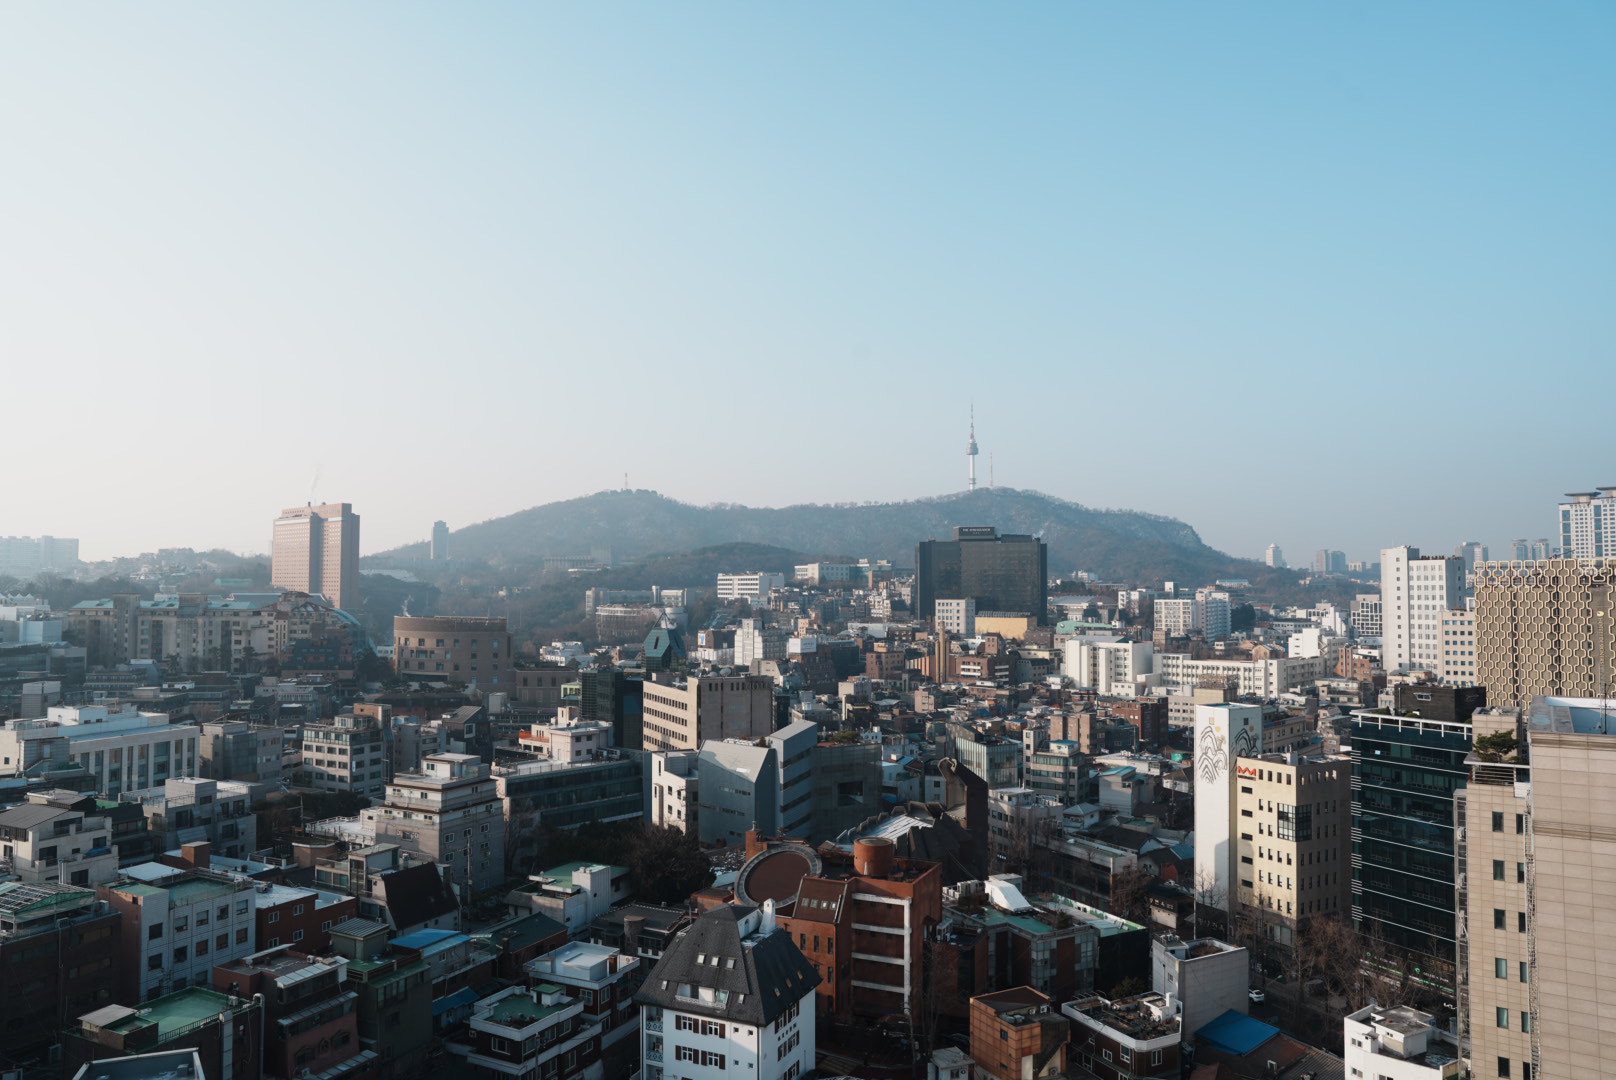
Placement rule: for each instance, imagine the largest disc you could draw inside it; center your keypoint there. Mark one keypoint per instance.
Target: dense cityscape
(961, 814)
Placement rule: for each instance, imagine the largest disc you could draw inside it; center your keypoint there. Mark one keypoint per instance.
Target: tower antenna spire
(970, 454)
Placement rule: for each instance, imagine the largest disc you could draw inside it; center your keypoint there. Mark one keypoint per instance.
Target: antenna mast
(970, 454)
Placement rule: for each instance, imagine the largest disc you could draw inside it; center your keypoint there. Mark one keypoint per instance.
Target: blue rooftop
(459, 999)
(1236, 1033)
(423, 938)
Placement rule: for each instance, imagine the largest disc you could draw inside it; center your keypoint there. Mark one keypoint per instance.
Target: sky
(1321, 275)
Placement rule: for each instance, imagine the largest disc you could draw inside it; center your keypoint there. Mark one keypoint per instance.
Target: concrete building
(1267, 678)
(675, 789)
(765, 783)
(1588, 524)
(1545, 628)
(1001, 573)
(192, 810)
(847, 783)
(524, 1031)
(1212, 613)
(1113, 668)
(1273, 556)
(1295, 844)
(1175, 617)
(439, 551)
(682, 713)
(453, 648)
(25, 557)
(193, 1028)
(753, 585)
(756, 641)
(1059, 770)
(57, 836)
(566, 795)
(55, 948)
(1457, 664)
(1326, 561)
(1415, 591)
(605, 980)
(733, 995)
(237, 750)
(311, 1026)
(118, 747)
(451, 812)
(956, 615)
(1131, 1038)
(176, 925)
(994, 758)
(346, 756)
(315, 549)
(1366, 616)
(1402, 1043)
(1206, 976)
(1018, 1034)
(1224, 735)
(1528, 550)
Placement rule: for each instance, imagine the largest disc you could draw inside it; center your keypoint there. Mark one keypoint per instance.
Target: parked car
(1257, 995)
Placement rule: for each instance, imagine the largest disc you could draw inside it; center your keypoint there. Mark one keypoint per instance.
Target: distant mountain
(1117, 544)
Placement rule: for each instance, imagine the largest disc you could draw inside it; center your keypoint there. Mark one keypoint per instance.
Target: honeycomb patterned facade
(1545, 627)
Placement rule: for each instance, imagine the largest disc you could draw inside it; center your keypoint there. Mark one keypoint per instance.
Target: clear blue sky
(1332, 275)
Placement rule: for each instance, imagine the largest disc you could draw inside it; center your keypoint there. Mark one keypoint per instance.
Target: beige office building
(1294, 822)
(682, 713)
(453, 648)
(315, 549)
(1538, 852)
(1545, 628)
(1494, 947)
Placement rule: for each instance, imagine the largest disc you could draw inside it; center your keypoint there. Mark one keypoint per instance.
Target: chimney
(198, 854)
(872, 856)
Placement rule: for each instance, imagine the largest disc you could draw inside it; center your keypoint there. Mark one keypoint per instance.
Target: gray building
(1001, 573)
(847, 786)
(767, 782)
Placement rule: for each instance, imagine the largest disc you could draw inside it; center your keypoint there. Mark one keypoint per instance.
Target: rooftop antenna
(625, 481)
(970, 453)
(314, 484)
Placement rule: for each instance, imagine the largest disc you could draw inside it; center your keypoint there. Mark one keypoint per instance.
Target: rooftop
(166, 1065)
(174, 1014)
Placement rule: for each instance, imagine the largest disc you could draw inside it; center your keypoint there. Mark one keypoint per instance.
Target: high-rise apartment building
(1406, 769)
(1415, 591)
(1213, 613)
(1001, 573)
(315, 549)
(1545, 628)
(1521, 550)
(1326, 561)
(1588, 524)
(1272, 556)
(25, 556)
(1457, 664)
(1472, 552)
(440, 541)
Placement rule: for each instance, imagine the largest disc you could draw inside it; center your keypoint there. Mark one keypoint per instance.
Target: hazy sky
(1328, 275)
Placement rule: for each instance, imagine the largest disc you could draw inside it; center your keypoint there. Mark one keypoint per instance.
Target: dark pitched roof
(416, 895)
(769, 974)
(27, 815)
(528, 930)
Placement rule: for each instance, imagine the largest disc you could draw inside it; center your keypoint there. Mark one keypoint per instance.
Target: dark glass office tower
(1001, 573)
(1405, 771)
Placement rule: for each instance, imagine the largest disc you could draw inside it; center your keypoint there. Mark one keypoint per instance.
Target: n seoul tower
(970, 455)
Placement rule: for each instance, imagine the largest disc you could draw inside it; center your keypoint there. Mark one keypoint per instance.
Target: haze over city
(1238, 266)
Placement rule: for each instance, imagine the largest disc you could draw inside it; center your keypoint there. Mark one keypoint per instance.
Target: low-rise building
(311, 1026)
(526, 1031)
(1018, 1034)
(605, 981)
(193, 810)
(346, 756)
(574, 894)
(227, 1033)
(57, 958)
(675, 790)
(1401, 1043)
(451, 813)
(59, 836)
(1207, 977)
(1131, 1038)
(176, 925)
(117, 748)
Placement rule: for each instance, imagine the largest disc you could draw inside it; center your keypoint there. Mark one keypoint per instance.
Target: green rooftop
(994, 917)
(520, 1010)
(176, 1012)
(563, 875)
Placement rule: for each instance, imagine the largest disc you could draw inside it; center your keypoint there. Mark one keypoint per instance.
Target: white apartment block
(1366, 615)
(1113, 667)
(1256, 678)
(177, 924)
(57, 836)
(1457, 664)
(1212, 613)
(756, 642)
(1588, 524)
(956, 615)
(1415, 592)
(1176, 617)
(119, 747)
(1399, 1044)
(675, 789)
(755, 585)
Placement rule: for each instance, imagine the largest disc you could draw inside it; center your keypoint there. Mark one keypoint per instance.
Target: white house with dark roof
(732, 996)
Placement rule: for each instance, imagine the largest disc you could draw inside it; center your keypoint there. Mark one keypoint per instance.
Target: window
(1501, 1017)
(154, 931)
(1498, 821)
(1499, 915)
(273, 942)
(1526, 1021)
(1520, 823)
(241, 907)
(202, 947)
(1526, 971)
(1520, 872)
(1503, 1067)
(684, 1023)
(297, 935)
(1520, 921)
(1498, 869)
(221, 941)
(712, 1060)
(297, 909)
(274, 917)
(181, 923)
(1500, 968)
(241, 937)
(224, 911)
(325, 925)
(712, 1027)
(154, 962)
(685, 1053)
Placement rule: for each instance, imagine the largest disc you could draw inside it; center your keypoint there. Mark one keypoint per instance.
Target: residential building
(565, 795)
(237, 750)
(1402, 1043)
(1020, 820)
(1175, 617)
(311, 1022)
(993, 938)
(860, 918)
(439, 548)
(1148, 715)
(25, 557)
(118, 747)
(1058, 770)
(1212, 613)
(1273, 556)
(1415, 591)
(1366, 616)
(1000, 573)
(753, 585)
(176, 925)
(1546, 628)
(453, 648)
(682, 713)
(451, 812)
(574, 894)
(757, 641)
(315, 549)
(192, 810)
(1294, 846)
(1207, 977)
(733, 995)
(1224, 735)
(1588, 524)
(1527, 550)
(57, 836)
(346, 756)
(675, 789)
(1113, 667)
(394, 1006)
(225, 1033)
(1129, 1038)
(955, 615)
(1265, 678)
(1327, 561)
(56, 951)
(995, 758)
(299, 918)
(197, 632)
(604, 979)
(1018, 1034)
(1405, 770)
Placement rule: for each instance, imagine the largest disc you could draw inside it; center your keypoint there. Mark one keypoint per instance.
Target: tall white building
(1416, 593)
(1176, 617)
(1588, 524)
(957, 616)
(732, 996)
(1112, 666)
(1212, 613)
(1273, 556)
(1224, 734)
(1457, 664)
